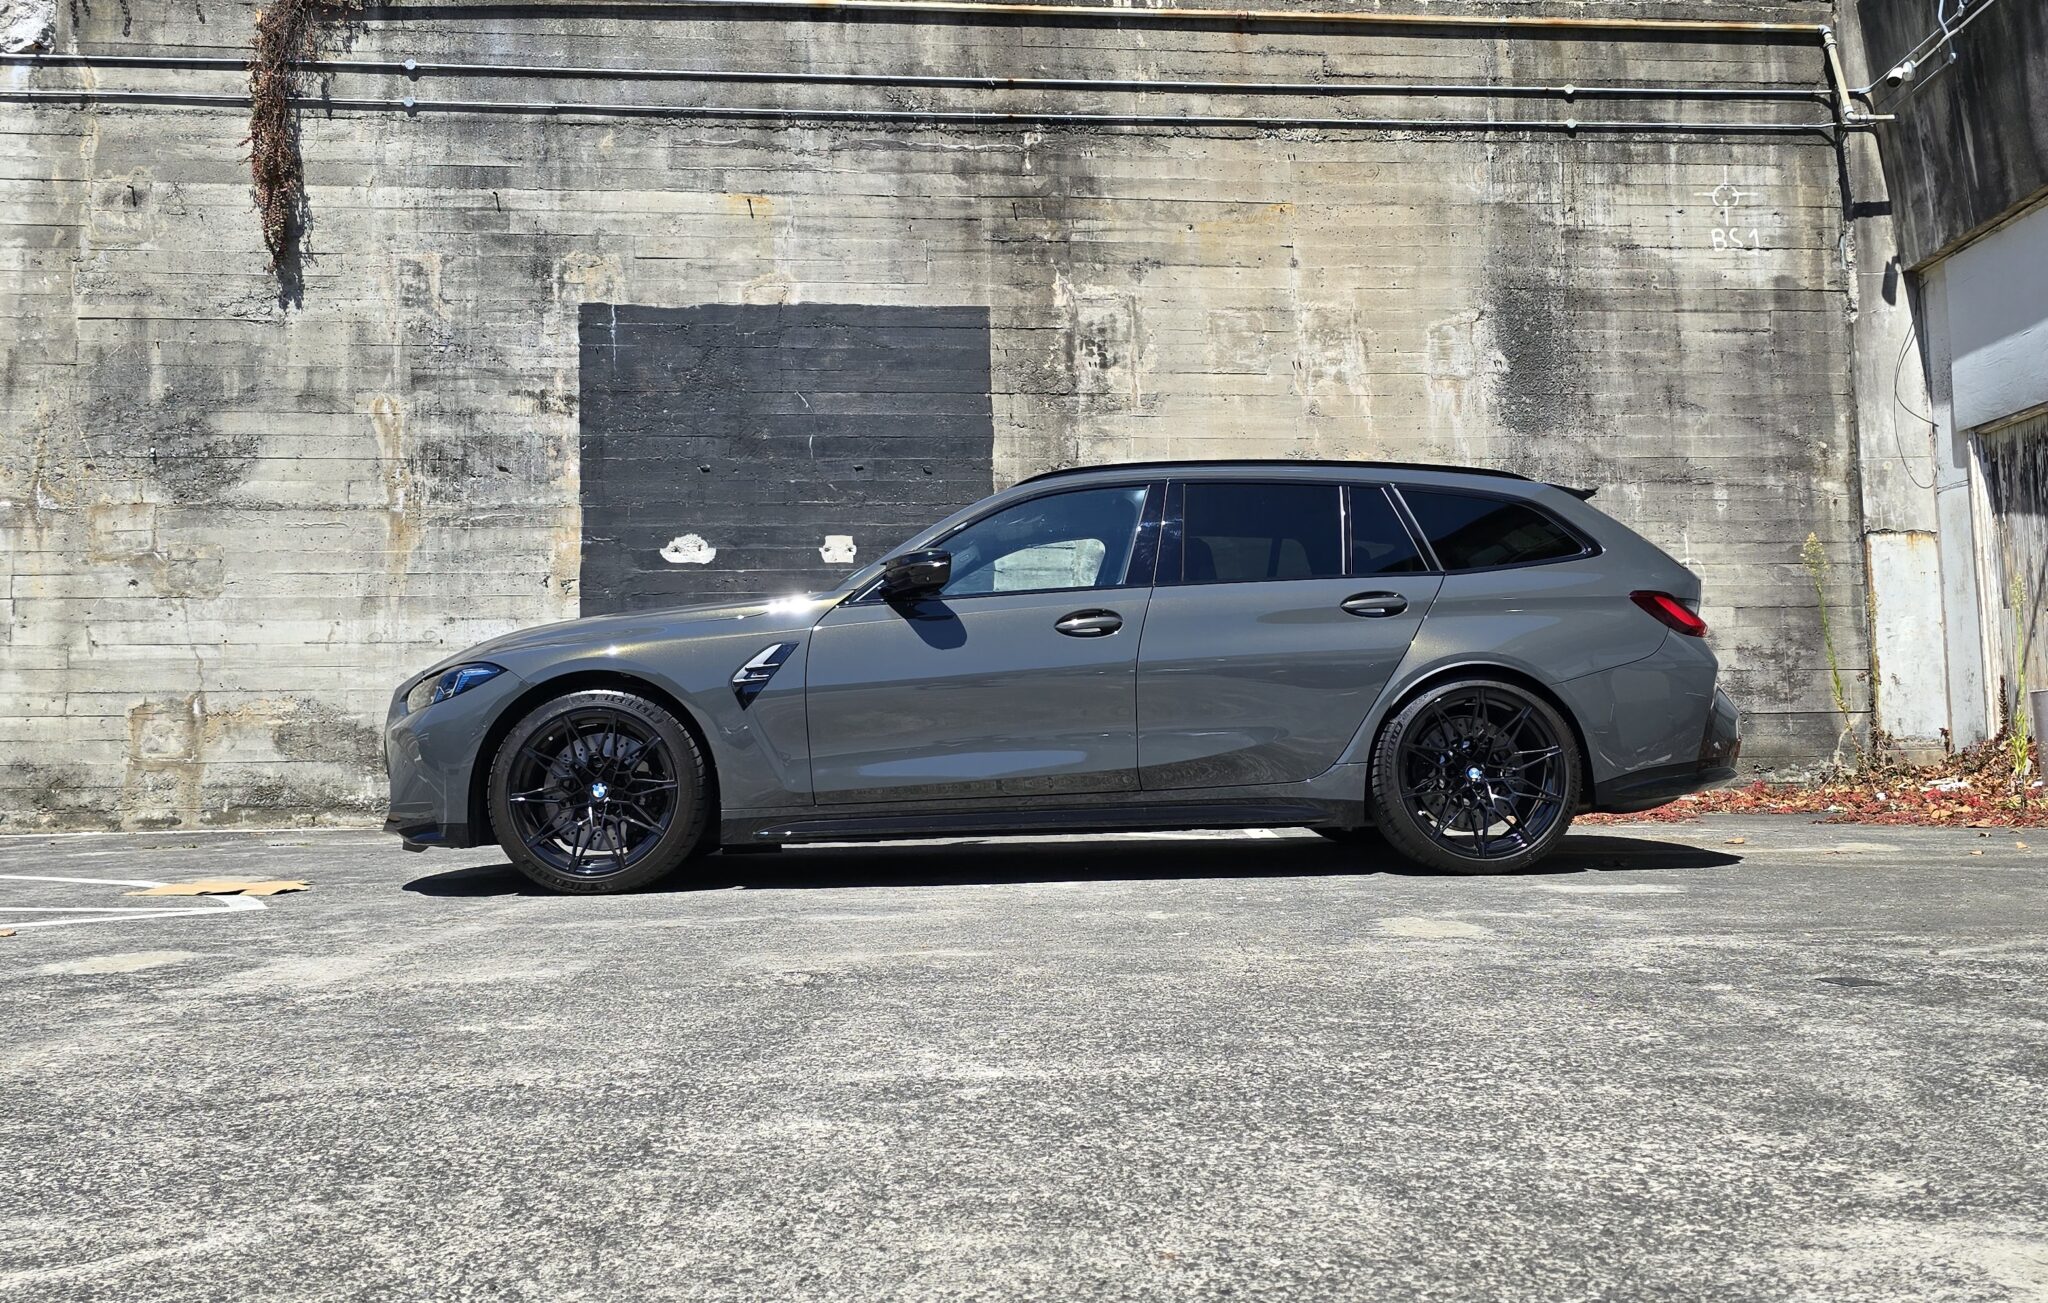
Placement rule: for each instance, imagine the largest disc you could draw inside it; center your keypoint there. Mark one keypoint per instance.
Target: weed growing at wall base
(2020, 721)
(1815, 558)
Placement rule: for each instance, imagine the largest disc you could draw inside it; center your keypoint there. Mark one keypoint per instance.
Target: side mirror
(916, 574)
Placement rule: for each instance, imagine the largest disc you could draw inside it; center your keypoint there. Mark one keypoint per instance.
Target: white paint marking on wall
(1733, 230)
(115, 913)
(688, 550)
(838, 549)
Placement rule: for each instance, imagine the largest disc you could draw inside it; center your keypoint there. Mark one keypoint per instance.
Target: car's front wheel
(1475, 776)
(598, 791)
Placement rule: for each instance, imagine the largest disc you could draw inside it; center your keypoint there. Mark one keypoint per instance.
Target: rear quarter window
(1469, 532)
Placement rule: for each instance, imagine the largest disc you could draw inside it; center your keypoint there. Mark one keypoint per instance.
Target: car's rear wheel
(1475, 776)
(598, 791)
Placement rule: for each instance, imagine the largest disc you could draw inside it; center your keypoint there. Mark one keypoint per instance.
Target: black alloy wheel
(598, 791)
(1476, 776)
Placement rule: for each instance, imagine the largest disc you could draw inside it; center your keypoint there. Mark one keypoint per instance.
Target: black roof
(1299, 461)
(1279, 461)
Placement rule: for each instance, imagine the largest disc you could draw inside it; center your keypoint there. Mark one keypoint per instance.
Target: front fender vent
(749, 679)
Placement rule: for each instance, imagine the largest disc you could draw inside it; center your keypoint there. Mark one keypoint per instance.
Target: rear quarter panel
(1557, 623)
(1648, 713)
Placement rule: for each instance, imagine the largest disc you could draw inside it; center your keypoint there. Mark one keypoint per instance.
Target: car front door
(1016, 679)
(1282, 609)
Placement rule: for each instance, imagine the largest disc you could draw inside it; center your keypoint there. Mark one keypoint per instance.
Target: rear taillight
(1671, 612)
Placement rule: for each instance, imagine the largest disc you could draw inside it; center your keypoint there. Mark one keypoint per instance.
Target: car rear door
(1282, 608)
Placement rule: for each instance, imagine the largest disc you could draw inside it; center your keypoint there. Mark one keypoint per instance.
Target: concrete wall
(233, 518)
(1970, 144)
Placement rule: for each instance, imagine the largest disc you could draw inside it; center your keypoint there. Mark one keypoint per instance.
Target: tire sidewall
(1406, 834)
(676, 845)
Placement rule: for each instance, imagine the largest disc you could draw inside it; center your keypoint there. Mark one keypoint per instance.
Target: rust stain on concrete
(401, 496)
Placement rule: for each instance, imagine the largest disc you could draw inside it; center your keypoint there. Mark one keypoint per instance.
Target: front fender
(759, 749)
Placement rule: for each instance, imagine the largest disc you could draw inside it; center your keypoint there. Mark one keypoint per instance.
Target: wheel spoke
(615, 832)
(584, 831)
(547, 831)
(530, 752)
(639, 821)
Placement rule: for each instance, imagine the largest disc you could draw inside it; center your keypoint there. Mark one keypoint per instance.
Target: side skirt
(1040, 821)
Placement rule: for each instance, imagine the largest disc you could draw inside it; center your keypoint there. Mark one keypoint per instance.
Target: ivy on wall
(288, 33)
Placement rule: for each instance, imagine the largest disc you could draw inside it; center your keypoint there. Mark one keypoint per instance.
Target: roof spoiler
(1580, 494)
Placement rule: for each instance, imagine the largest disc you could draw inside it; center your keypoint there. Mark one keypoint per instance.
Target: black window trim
(1406, 521)
(1145, 549)
(1173, 538)
(1588, 547)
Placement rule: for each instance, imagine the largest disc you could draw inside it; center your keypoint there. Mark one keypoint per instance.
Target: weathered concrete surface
(1970, 144)
(1805, 1065)
(234, 514)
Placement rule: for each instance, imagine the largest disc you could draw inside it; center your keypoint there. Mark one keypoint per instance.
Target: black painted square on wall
(736, 449)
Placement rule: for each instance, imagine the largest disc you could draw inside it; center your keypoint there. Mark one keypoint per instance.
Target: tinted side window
(1081, 539)
(1379, 542)
(1471, 533)
(1240, 532)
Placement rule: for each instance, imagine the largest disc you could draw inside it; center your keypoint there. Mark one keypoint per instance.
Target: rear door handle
(1375, 604)
(1090, 624)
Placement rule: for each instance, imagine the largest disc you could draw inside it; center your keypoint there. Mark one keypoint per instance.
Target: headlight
(448, 683)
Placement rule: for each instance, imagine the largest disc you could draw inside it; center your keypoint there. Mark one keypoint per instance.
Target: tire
(1469, 750)
(597, 792)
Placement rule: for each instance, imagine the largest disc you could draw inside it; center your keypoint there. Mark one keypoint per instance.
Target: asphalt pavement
(1737, 1059)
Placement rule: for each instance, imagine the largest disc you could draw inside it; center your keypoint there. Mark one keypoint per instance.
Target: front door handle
(1090, 624)
(1375, 604)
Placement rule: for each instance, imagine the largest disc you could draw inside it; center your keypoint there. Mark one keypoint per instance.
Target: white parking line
(114, 913)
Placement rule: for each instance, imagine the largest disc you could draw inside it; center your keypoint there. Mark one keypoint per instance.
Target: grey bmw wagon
(1458, 661)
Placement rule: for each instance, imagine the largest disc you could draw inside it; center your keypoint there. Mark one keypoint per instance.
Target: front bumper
(431, 757)
(1646, 789)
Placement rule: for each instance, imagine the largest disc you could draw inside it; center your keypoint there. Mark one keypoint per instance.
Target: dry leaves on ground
(1973, 789)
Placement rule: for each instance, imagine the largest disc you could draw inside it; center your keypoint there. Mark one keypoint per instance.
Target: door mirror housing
(916, 574)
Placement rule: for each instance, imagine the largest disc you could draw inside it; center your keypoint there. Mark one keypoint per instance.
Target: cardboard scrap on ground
(223, 887)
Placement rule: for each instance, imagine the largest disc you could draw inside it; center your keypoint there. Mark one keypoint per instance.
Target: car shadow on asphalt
(1000, 862)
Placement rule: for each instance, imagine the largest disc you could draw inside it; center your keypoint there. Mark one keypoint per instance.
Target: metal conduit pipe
(818, 9)
(1184, 14)
(413, 68)
(915, 116)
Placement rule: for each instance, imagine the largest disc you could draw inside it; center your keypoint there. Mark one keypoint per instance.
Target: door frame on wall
(1996, 549)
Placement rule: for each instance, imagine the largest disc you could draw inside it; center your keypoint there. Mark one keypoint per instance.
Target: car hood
(640, 629)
